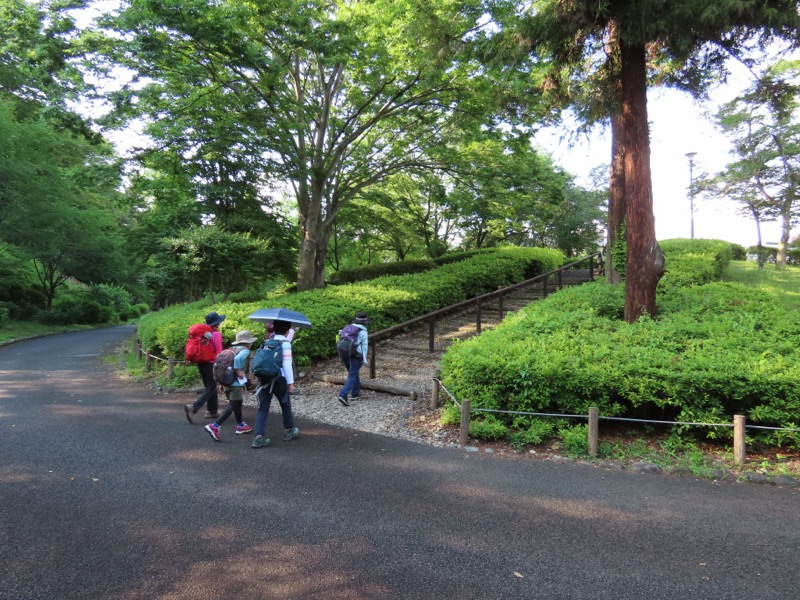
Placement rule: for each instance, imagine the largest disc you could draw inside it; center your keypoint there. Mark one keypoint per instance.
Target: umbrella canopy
(269, 315)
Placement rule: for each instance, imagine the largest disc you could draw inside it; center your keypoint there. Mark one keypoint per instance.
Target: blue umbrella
(269, 315)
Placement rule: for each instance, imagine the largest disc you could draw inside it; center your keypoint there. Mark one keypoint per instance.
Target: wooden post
(739, 450)
(464, 433)
(500, 307)
(372, 350)
(593, 431)
(138, 350)
(431, 329)
(544, 287)
(560, 279)
(434, 404)
(478, 317)
(147, 360)
(170, 368)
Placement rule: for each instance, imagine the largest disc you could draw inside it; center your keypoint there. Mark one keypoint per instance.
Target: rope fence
(739, 424)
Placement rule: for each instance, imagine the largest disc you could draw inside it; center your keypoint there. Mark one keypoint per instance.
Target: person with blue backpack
(272, 366)
(352, 348)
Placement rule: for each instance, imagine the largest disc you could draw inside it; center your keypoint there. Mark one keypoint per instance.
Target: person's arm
(240, 362)
(363, 342)
(288, 371)
(216, 341)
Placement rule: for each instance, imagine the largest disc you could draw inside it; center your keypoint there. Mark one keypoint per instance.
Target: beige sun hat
(244, 337)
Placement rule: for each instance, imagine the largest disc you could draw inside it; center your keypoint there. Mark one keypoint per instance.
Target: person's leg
(345, 390)
(209, 394)
(282, 394)
(348, 383)
(356, 391)
(235, 398)
(264, 397)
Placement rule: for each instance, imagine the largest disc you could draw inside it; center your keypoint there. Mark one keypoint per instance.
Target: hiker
(209, 397)
(353, 356)
(281, 385)
(235, 391)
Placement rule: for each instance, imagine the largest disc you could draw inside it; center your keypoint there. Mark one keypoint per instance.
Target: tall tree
(764, 124)
(676, 36)
(329, 95)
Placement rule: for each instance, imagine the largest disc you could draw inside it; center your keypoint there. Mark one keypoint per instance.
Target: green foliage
(575, 440)
(530, 432)
(367, 272)
(389, 300)
(487, 428)
(694, 262)
(738, 252)
(712, 351)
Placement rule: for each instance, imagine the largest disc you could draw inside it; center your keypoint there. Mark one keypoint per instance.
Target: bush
(712, 351)
(368, 272)
(389, 300)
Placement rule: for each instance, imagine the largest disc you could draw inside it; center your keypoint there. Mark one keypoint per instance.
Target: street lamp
(690, 156)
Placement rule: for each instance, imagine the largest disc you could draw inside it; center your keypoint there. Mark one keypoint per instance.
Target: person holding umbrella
(281, 386)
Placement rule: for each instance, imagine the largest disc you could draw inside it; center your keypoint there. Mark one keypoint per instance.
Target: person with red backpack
(202, 348)
(352, 349)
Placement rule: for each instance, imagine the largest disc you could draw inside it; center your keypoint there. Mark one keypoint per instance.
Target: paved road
(107, 492)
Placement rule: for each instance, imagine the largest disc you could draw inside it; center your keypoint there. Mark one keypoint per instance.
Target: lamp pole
(690, 156)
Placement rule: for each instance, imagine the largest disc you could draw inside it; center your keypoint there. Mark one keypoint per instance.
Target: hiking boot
(189, 412)
(210, 415)
(343, 400)
(243, 428)
(260, 441)
(213, 431)
(290, 434)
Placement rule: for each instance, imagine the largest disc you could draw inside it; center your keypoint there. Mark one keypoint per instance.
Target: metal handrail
(431, 317)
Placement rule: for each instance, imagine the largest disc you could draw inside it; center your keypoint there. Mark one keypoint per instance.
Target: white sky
(677, 125)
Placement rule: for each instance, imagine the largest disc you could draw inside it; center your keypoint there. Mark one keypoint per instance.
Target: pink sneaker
(243, 428)
(213, 430)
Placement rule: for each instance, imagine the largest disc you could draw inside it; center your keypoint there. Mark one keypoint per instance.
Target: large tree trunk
(616, 196)
(645, 261)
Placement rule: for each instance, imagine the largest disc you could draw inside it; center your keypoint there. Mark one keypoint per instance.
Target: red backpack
(199, 347)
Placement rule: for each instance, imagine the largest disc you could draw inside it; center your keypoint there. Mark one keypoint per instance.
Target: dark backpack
(224, 373)
(268, 360)
(199, 348)
(348, 346)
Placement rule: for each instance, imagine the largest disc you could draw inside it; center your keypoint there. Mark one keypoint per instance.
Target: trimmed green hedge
(712, 351)
(388, 300)
(367, 272)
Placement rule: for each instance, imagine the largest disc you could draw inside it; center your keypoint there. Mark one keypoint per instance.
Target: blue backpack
(268, 360)
(348, 346)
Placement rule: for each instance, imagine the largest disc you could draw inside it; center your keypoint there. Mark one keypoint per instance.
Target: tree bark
(616, 196)
(645, 261)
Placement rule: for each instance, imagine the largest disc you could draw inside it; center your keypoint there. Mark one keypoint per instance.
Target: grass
(784, 286)
(16, 330)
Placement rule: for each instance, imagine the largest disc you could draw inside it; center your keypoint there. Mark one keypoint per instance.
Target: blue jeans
(281, 391)
(209, 395)
(352, 385)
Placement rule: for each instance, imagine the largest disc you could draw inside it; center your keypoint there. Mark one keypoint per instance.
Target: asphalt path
(108, 492)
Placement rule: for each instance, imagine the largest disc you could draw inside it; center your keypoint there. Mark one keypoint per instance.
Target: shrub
(487, 428)
(389, 300)
(712, 351)
(368, 272)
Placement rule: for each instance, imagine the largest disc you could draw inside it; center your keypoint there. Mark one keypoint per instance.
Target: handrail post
(560, 278)
(147, 360)
(478, 316)
(431, 333)
(739, 450)
(500, 306)
(434, 403)
(170, 368)
(544, 287)
(463, 434)
(593, 431)
(372, 351)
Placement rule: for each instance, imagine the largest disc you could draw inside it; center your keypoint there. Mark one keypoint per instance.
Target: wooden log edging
(371, 385)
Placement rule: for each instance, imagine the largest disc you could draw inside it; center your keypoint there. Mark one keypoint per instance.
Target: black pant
(209, 395)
